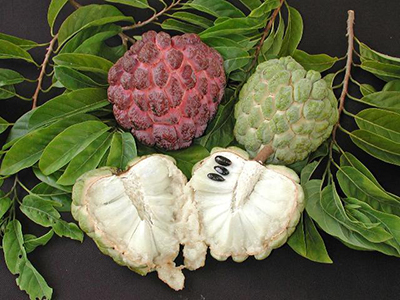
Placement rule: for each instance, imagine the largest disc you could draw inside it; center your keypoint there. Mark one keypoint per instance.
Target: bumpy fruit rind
(286, 107)
(166, 90)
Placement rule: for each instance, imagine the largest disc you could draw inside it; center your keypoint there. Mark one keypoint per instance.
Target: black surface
(80, 271)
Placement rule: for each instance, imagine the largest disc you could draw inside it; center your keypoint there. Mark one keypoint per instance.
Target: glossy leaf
(393, 85)
(233, 27)
(48, 192)
(369, 54)
(53, 11)
(84, 62)
(187, 158)
(251, 4)
(43, 213)
(332, 205)
(51, 180)
(23, 43)
(7, 92)
(274, 50)
(293, 34)
(266, 46)
(367, 89)
(307, 242)
(31, 242)
(387, 100)
(29, 279)
(134, 3)
(9, 50)
(356, 185)
(8, 77)
(377, 146)
(382, 122)
(122, 151)
(87, 160)
(316, 62)
(264, 9)
(221, 8)
(88, 16)
(193, 19)
(384, 71)
(68, 144)
(307, 172)
(27, 150)
(171, 24)
(234, 57)
(74, 80)
(3, 125)
(5, 204)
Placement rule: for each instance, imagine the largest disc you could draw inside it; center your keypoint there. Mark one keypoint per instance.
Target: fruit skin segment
(165, 90)
(138, 216)
(287, 108)
(253, 211)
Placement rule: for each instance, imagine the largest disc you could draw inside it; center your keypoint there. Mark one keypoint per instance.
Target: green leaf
(31, 242)
(84, 62)
(88, 16)
(47, 192)
(356, 185)
(9, 50)
(264, 9)
(276, 47)
(4, 125)
(68, 144)
(377, 146)
(220, 131)
(332, 205)
(134, 3)
(217, 9)
(29, 279)
(307, 172)
(87, 160)
(24, 44)
(61, 107)
(312, 190)
(122, 151)
(233, 27)
(51, 180)
(369, 54)
(386, 100)
(251, 4)
(193, 19)
(5, 204)
(43, 213)
(171, 24)
(54, 9)
(367, 89)
(316, 62)
(307, 242)
(9, 77)
(393, 85)
(293, 34)
(7, 92)
(384, 71)
(234, 57)
(27, 150)
(266, 46)
(382, 122)
(74, 80)
(187, 158)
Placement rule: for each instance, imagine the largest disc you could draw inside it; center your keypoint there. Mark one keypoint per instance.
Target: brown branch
(152, 18)
(43, 71)
(264, 154)
(266, 32)
(75, 4)
(350, 49)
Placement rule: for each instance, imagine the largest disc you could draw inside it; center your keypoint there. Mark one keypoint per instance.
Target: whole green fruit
(286, 107)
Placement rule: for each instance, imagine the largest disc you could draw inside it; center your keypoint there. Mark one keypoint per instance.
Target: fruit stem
(350, 49)
(155, 16)
(265, 34)
(263, 155)
(43, 71)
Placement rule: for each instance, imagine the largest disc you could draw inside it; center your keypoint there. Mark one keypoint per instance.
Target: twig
(266, 32)
(350, 48)
(75, 4)
(43, 71)
(152, 18)
(263, 155)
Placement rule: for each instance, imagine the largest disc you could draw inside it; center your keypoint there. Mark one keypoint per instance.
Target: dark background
(80, 271)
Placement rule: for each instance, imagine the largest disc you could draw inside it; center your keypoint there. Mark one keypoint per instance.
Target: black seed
(221, 170)
(215, 177)
(222, 160)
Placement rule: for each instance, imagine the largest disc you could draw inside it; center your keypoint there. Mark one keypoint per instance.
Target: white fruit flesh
(251, 212)
(134, 216)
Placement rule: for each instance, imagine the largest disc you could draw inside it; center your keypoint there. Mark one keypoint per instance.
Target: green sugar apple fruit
(287, 108)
